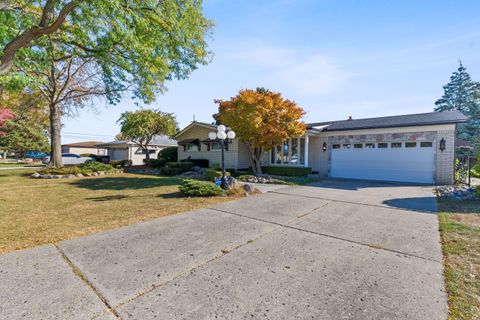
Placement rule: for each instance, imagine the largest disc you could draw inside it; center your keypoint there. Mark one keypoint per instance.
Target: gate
(463, 166)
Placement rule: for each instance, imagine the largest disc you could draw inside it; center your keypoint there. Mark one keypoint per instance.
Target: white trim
(306, 150)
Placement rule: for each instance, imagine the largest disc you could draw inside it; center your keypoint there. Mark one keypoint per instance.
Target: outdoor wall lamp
(223, 138)
(442, 144)
(324, 147)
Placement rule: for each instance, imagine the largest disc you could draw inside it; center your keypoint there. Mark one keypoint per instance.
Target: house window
(286, 150)
(302, 151)
(382, 145)
(410, 144)
(149, 151)
(358, 146)
(278, 155)
(294, 154)
(347, 146)
(369, 145)
(191, 147)
(290, 152)
(215, 146)
(426, 144)
(336, 146)
(396, 144)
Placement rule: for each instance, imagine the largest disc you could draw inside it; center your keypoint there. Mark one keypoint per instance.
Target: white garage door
(403, 162)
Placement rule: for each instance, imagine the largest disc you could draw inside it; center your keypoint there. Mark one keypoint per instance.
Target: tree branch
(28, 36)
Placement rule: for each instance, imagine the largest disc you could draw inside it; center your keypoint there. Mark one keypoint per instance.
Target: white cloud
(306, 73)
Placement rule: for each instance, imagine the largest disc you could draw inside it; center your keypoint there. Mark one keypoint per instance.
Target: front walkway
(337, 250)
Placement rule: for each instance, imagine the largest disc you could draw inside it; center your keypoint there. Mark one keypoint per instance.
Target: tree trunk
(147, 156)
(255, 157)
(55, 137)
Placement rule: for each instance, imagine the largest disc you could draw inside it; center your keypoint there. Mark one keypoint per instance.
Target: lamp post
(223, 137)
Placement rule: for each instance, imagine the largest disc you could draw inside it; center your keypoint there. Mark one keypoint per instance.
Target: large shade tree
(262, 119)
(134, 46)
(143, 125)
(463, 94)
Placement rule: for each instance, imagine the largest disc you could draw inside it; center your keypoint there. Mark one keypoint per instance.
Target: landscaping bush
(476, 171)
(95, 166)
(185, 165)
(196, 188)
(287, 171)
(166, 171)
(169, 154)
(212, 174)
(477, 192)
(157, 163)
(120, 163)
(202, 163)
(175, 168)
(84, 168)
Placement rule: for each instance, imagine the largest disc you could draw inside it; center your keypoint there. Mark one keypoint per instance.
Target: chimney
(350, 118)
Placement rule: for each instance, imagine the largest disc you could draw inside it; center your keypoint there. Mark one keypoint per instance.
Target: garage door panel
(402, 164)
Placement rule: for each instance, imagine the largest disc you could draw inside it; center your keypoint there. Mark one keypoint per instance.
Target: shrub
(287, 171)
(166, 171)
(175, 168)
(84, 168)
(120, 163)
(477, 192)
(476, 171)
(168, 154)
(89, 155)
(212, 174)
(185, 166)
(95, 166)
(203, 163)
(196, 188)
(157, 163)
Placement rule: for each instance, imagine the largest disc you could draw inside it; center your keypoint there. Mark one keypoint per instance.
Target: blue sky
(335, 58)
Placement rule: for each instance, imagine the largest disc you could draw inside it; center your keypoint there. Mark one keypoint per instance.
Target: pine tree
(463, 94)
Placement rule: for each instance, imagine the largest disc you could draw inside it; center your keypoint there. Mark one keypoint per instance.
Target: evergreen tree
(463, 94)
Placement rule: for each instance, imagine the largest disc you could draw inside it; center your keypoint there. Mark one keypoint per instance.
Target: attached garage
(388, 161)
(414, 148)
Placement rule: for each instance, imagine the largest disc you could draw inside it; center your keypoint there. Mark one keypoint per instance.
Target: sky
(334, 58)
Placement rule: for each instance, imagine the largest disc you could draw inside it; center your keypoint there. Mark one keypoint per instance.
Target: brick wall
(445, 159)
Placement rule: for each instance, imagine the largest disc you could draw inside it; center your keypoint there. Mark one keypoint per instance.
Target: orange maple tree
(261, 119)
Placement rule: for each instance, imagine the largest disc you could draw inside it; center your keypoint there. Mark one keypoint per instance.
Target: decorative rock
(57, 176)
(248, 188)
(197, 169)
(101, 173)
(457, 192)
(231, 182)
(70, 176)
(79, 175)
(95, 174)
(35, 175)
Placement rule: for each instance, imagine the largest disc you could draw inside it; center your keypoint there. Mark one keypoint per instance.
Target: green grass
(39, 211)
(460, 231)
(14, 165)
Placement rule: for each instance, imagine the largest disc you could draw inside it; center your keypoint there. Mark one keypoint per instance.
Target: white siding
(214, 157)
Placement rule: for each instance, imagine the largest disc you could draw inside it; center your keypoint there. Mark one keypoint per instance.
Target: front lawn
(460, 231)
(40, 211)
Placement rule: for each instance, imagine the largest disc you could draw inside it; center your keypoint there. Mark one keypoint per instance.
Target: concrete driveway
(336, 250)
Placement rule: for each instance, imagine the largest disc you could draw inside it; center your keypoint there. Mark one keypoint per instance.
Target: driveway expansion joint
(89, 284)
(369, 245)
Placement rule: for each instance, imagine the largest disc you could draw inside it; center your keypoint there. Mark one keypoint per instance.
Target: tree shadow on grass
(124, 183)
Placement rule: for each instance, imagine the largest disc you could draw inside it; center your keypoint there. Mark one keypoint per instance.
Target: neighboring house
(128, 150)
(193, 143)
(84, 147)
(407, 148)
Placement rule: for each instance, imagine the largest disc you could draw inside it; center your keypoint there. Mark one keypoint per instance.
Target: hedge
(197, 188)
(287, 171)
(168, 154)
(175, 168)
(83, 168)
(212, 174)
(202, 163)
(120, 163)
(157, 163)
(476, 171)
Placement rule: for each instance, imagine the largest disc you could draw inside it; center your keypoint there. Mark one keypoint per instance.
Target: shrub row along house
(415, 148)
